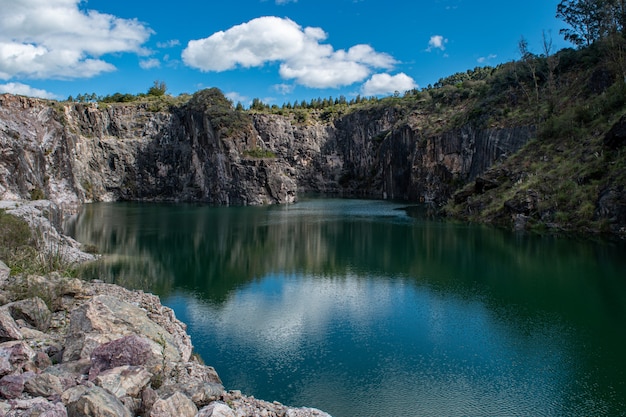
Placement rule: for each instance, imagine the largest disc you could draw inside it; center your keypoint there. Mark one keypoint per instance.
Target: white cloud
(169, 44)
(284, 88)
(150, 63)
(25, 90)
(385, 84)
(300, 53)
(236, 97)
(437, 42)
(286, 1)
(56, 39)
(484, 59)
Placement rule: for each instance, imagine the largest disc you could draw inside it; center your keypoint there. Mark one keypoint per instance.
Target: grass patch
(23, 251)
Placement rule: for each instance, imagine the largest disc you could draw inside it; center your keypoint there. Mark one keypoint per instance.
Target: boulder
(129, 350)
(124, 380)
(104, 318)
(15, 357)
(176, 405)
(70, 373)
(36, 407)
(12, 386)
(8, 327)
(44, 385)
(33, 311)
(305, 412)
(216, 409)
(83, 401)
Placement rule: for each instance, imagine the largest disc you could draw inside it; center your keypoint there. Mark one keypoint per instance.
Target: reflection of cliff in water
(213, 250)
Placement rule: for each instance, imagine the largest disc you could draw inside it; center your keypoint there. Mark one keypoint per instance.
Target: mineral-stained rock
(82, 401)
(129, 350)
(12, 386)
(105, 317)
(8, 327)
(216, 409)
(36, 407)
(14, 357)
(124, 380)
(44, 385)
(176, 405)
(201, 393)
(32, 310)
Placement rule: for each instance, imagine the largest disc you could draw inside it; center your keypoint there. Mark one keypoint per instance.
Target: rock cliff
(73, 153)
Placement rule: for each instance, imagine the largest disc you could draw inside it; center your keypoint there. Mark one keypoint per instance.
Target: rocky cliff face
(75, 153)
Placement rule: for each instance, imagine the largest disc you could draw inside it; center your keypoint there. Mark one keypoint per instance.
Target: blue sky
(275, 50)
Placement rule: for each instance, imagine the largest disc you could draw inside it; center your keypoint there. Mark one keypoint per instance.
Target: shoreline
(73, 347)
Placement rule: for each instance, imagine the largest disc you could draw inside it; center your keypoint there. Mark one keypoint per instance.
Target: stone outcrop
(107, 351)
(72, 153)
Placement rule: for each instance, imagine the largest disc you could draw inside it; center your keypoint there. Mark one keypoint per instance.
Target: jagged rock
(15, 357)
(104, 318)
(129, 350)
(12, 386)
(176, 405)
(133, 404)
(216, 409)
(148, 398)
(82, 401)
(8, 327)
(70, 373)
(124, 380)
(36, 407)
(201, 393)
(33, 311)
(44, 385)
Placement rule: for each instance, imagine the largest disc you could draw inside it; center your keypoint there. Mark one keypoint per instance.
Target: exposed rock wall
(75, 153)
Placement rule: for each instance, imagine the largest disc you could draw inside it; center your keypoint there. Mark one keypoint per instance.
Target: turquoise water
(364, 308)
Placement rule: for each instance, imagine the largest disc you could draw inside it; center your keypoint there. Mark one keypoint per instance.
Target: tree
(591, 20)
(158, 89)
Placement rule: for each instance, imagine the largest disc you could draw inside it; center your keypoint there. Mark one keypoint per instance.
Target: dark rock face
(75, 153)
(616, 137)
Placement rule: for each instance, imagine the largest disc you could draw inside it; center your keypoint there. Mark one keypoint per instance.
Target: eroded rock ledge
(75, 348)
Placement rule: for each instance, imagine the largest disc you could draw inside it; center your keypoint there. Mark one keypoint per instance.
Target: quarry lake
(371, 308)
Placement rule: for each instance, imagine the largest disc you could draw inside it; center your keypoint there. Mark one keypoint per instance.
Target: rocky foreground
(75, 348)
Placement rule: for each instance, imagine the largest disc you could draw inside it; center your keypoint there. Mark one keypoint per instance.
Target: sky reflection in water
(358, 309)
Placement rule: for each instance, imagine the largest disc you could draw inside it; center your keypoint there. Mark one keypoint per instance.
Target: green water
(362, 308)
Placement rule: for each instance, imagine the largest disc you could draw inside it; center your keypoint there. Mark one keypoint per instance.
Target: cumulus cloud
(25, 90)
(150, 63)
(437, 42)
(299, 51)
(56, 39)
(385, 84)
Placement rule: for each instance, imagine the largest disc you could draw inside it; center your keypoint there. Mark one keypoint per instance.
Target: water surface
(362, 308)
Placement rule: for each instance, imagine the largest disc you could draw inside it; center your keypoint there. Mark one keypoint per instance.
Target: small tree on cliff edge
(158, 89)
